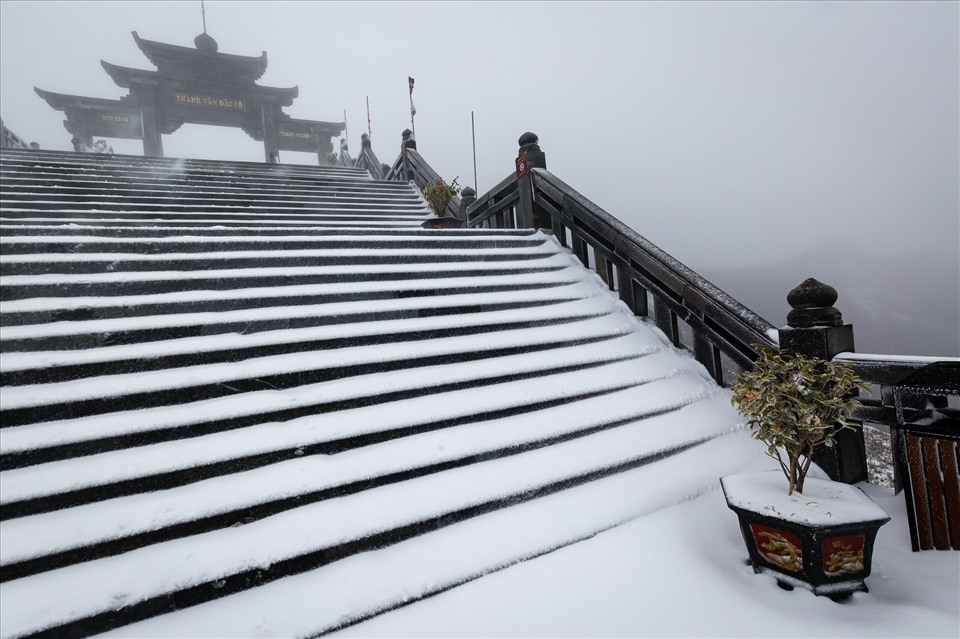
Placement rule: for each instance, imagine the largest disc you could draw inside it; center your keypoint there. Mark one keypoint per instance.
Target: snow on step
(363, 585)
(183, 563)
(36, 535)
(66, 303)
(105, 468)
(539, 399)
(268, 435)
(559, 309)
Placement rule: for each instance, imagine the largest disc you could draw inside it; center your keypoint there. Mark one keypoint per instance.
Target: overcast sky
(803, 139)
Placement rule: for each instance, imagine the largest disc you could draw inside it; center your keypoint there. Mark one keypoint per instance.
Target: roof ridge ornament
(204, 42)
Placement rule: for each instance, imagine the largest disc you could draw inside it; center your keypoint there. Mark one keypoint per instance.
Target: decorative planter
(447, 222)
(821, 540)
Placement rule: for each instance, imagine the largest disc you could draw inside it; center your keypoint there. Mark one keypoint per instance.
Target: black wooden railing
(918, 401)
(10, 140)
(915, 394)
(692, 312)
(369, 161)
(410, 166)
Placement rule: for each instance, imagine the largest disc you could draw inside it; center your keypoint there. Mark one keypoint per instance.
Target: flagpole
(473, 132)
(369, 129)
(346, 131)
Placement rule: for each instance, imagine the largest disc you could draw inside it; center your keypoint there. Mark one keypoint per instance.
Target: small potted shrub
(438, 195)
(809, 532)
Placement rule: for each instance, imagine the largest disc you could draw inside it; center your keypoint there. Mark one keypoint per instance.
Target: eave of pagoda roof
(165, 55)
(124, 76)
(61, 101)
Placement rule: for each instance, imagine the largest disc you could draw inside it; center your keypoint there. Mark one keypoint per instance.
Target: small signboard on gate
(522, 166)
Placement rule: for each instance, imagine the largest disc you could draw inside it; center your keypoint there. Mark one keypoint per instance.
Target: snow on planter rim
(822, 503)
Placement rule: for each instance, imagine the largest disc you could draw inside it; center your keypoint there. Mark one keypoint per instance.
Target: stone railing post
(407, 143)
(467, 197)
(529, 157)
(815, 328)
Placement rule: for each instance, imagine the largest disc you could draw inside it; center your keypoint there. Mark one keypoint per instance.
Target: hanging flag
(413, 109)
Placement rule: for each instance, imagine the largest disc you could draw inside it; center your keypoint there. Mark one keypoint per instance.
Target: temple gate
(197, 86)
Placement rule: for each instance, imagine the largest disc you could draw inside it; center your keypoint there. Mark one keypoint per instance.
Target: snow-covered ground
(681, 572)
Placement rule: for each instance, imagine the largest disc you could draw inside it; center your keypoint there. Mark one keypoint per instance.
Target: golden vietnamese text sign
(230, 104)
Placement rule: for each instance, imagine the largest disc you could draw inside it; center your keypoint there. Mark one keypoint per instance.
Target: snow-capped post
(467, 197)
(408, 142)
(815, 328)
(529, 157)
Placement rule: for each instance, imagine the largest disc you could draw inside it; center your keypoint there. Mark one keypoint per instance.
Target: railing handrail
(896, 370)
(480, 210)
(720, 323)
(369, 161)
(422, 174)
(630, 242)
(10, 140)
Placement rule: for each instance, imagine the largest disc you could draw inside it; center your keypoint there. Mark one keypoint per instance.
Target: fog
(759, 143)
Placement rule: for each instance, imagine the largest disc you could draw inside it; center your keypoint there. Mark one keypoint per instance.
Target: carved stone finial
(528, 139)
(408, 140)
(812, 303)
(365, 141)
(529, 144)
(468, 192)
(204, 42)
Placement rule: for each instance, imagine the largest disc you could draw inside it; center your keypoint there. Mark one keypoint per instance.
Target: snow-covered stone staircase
(247, 399)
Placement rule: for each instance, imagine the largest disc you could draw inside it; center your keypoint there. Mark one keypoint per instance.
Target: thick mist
(759, 143)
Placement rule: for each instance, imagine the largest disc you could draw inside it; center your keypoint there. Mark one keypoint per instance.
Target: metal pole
(346, 131)
(413, 127)
(369, 129)
(473, 131)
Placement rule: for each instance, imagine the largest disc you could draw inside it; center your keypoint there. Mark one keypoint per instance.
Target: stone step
(76, 309)
(69, 264)
(197, 195)
(23, 368)
(80, 245)
(61, 231)
(249, 556)
(30, 490)
(219, 374)
(52, 285)
(170, 387)
(277, 483)
(24, 181)
(310, 415)
(119, 163)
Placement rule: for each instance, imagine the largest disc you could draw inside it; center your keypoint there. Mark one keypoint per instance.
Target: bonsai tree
(795, 403)
(438, 194)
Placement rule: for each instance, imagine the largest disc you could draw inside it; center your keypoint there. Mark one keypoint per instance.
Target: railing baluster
(580, 250)
(666, 321)
(707, 354)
